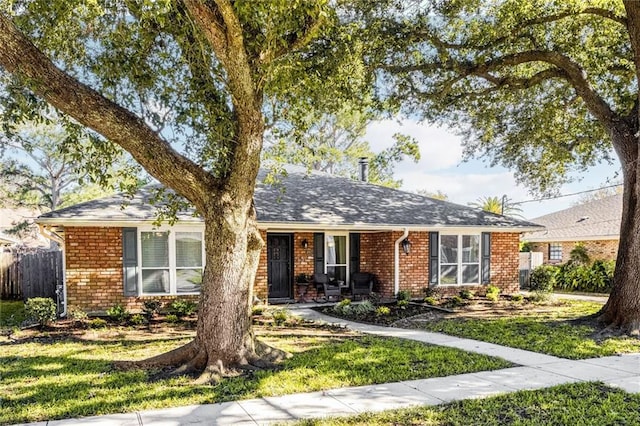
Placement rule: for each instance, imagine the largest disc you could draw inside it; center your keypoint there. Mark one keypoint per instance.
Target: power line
(565, 195)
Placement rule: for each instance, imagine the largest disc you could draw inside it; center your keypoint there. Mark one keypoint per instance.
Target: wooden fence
(23, 276)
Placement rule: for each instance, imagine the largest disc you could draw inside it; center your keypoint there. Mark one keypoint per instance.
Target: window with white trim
(171, 262)
(459, 259)
(336, 258)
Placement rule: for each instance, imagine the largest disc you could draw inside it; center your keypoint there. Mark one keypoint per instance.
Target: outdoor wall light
(406, 246)
(305, 244)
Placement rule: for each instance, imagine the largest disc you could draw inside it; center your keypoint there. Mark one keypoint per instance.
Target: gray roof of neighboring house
(314, 199)
(599, 219)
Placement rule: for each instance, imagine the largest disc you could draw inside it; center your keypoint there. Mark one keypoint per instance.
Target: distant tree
(334, 143)
(599, 194)
(438, 194)
(39, 172)
(498, 205)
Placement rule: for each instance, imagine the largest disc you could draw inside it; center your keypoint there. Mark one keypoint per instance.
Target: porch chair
(361, 284)
(324, 285)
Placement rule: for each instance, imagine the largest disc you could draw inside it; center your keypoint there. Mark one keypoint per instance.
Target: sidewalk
(535, 371)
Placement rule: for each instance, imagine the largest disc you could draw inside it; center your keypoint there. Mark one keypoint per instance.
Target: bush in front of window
(492, 293)
(467, 294)
(41, 310)
(118, 313)
(182, 308)
(151, 308)
(543, 278)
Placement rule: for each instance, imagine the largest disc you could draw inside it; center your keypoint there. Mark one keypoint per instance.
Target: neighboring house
(309, 222)
(27, 238)
(595, 224)
(6, 240)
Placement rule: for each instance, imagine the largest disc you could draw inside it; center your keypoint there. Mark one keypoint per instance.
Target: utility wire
(565, 195)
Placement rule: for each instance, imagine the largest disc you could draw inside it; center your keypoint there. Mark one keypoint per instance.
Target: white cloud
(439, 149)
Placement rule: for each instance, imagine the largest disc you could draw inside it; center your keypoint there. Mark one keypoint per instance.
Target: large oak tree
(181, 86)
(542, 86)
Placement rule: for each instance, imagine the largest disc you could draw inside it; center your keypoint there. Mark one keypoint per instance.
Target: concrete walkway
(534, 371)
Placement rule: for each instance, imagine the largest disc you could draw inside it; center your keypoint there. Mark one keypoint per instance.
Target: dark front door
(279, 265)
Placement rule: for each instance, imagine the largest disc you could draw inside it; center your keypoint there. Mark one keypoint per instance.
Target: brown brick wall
(94, 266)
(94, 271)
(505, 261)
(376, 257)
(597, 249)
(260, 286)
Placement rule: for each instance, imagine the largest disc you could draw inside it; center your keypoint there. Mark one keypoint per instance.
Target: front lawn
(53, 375)
(572, 404)
(11, 313)
(564, 328)
(567, 329)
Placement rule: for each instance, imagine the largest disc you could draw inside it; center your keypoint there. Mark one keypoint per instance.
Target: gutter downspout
(396, 253)
(56, 238)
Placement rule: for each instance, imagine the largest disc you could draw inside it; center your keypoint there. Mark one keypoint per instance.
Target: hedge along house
(310, 222)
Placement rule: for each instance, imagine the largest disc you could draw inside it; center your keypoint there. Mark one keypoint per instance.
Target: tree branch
(20, 57)
(517, 31)
(297, 42)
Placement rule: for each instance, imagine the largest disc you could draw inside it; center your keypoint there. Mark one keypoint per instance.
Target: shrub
(431, 301)
(41, 309)
(137, 319)
(182, 308)
(375, 298)
(383, 311)
(76, 314)
(517, 297)
(151, 308)
(97, 323)
(363, 308)
(456, 301)
(543, 278)
(402, 304)
(279, 316)
(344, 307)
(579, 255)
(492, 293)
(432, 292)
(257, 310)
(597, 277)
(467, 294)
(118, 313)
(538, 296)
(403, 295)
(172, 318)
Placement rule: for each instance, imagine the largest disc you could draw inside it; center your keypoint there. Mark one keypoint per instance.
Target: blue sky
(441, 168)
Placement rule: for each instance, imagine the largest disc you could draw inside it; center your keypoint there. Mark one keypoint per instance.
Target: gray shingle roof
(599, 219)
(313, 199)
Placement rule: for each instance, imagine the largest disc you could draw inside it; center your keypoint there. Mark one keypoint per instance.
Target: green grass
(572, 404)
(11, 313)
(555, 333)
(43, 379)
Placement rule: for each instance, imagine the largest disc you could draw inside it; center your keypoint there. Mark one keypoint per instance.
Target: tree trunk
(622, 310)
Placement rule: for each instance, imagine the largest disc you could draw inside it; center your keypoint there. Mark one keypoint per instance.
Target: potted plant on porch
(302, 282)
